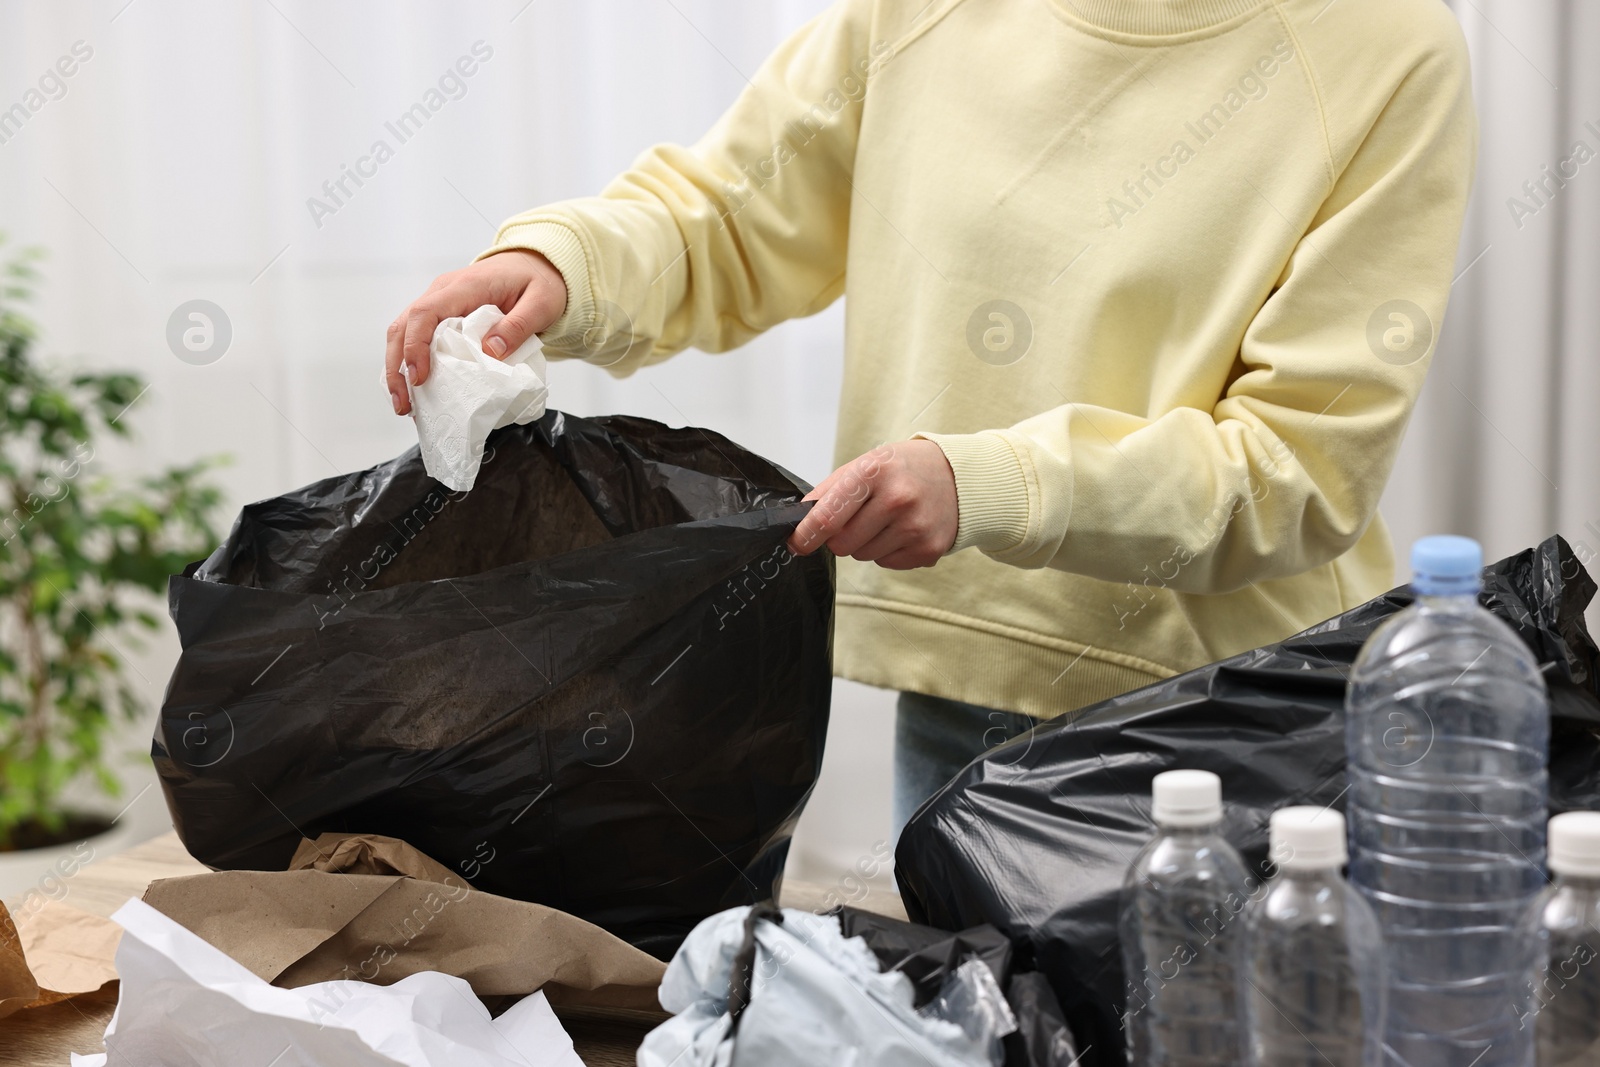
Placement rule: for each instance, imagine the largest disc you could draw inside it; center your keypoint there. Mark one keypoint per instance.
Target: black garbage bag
(1036, 836)
(928, 956)
(598, 680)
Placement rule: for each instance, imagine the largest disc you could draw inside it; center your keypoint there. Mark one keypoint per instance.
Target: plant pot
(29, 876)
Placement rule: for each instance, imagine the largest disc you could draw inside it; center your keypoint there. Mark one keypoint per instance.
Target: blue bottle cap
(1446, 566)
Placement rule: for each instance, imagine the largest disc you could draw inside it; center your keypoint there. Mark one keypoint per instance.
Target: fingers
(523, 284)
(838, 498)
(870, 523)
(896, 506)
(534, 296)
(393, 344)
(507, 335)
(422, 318)
(406, 345)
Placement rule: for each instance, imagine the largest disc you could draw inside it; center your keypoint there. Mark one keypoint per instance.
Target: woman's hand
(522, 284)
(895, 506)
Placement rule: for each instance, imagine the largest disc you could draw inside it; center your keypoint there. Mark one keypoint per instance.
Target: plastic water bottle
(1183, 933)
(1564, 923)
(1316, 975)
(1448, 738)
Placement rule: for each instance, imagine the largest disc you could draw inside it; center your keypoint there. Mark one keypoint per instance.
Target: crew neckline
(1158, 18)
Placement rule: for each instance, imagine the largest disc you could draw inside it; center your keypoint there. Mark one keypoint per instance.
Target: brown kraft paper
(55, 952)
(372, 908)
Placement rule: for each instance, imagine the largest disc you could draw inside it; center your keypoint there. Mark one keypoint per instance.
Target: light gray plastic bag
(809, 995)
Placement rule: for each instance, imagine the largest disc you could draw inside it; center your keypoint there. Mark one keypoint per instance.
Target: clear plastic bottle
(1565, 925)
(1183, 932)
(1448, 739)
(1316, 975)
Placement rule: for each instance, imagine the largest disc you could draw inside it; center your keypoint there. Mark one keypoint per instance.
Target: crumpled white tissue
(469, 393)
(184, 1003)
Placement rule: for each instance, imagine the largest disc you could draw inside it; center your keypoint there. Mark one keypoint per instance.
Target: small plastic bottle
(1565, 921)
(1316, 976)
(1183, 932)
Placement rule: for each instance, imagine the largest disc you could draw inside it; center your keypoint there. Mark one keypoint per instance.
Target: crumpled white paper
(469, 393)
(184, 1003)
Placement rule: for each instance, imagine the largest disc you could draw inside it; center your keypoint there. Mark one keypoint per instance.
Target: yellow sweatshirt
(1161, 277)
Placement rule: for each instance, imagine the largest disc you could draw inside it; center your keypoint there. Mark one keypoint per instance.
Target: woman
(1140, 296)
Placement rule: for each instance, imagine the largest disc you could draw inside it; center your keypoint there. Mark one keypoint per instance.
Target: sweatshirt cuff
(994, 492)
(560, 244)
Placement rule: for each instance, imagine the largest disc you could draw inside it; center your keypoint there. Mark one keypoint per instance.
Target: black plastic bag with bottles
(1036, 836)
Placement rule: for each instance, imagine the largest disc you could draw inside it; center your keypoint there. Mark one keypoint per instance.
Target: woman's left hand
(895, 506)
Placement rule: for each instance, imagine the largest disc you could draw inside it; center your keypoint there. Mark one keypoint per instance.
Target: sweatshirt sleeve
(712, 244)
(1285, 472)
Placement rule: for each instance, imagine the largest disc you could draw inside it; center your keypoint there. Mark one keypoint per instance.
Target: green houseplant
(79, 557)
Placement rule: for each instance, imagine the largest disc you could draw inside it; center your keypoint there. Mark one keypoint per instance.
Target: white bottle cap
(1308, 839)
(1186, 798)
(1575, 844)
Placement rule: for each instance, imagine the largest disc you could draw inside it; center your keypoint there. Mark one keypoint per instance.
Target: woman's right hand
(524, 285)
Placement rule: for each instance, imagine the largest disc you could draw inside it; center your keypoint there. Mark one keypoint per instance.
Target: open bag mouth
(572, 483)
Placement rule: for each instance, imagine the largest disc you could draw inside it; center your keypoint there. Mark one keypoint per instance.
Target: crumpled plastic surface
(923, 954)
(931, 958)
(1036, 836)
(971, 999)
(816, 997)
(1043, 1038)
(183, 1003)
(469, 393)
(598, 681)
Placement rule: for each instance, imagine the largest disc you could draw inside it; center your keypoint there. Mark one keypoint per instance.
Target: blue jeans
(935, 738)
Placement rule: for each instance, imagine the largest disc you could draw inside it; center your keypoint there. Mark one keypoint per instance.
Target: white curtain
(176, 163)
(178, 160)
(1505, 445)
(184, 157)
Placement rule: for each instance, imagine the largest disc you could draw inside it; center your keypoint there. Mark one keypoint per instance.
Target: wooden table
(43, 1037)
